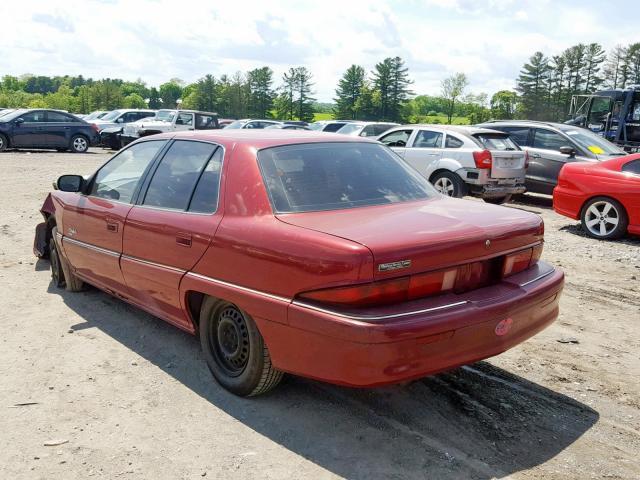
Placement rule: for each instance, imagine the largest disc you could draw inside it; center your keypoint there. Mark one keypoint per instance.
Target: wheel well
(624, 210)
(6, 138)
(440, 170)
(194, 302)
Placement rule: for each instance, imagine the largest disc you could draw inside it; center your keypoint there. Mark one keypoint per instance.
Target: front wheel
(449, 184)
(235, 350)
(79, 144)
(4, 143)
(498, 200)
(604, 218)
(61, 273)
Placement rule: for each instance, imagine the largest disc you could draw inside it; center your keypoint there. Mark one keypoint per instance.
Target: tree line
(546, 84)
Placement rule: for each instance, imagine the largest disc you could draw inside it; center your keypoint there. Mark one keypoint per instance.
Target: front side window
(34, 117)
(118, 179)
(549, 140)
(428, 139)
(205, 122)
(333, 176)
(632, 167)
(184, 119)
(177, 174)
(399, 138)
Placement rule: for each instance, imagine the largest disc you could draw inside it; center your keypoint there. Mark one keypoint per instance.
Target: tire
(604, 218)
(449, 184)
(235, 350)
(498, 200)
(4, 143)
(61, 274)
(79, 144)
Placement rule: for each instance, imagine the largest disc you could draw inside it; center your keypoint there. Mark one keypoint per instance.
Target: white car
(251, 123)
(460, 160)
(366, 129)
(169, 121)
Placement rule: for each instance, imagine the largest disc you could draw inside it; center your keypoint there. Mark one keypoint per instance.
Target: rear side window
(549, 140)
(205, 196)
(58, 117)
(36, 117)
(452, 142)
(632, 167)
(118, 179)
(177, 174)
(332, 176)
(428, 139)
(520, 135)
(495, 141)
(205, 122)
(185, 119)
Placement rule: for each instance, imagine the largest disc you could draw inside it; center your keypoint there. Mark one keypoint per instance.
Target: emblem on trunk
(386, 267)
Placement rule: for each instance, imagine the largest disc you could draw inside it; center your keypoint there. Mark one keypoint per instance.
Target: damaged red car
(317, 255)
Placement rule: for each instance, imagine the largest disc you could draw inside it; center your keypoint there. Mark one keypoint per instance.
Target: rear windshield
(496, 141)
(349, 128)
(332, 176)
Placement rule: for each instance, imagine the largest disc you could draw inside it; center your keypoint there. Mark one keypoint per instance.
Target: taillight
(519, 261)
(366, 295)
(483, 159)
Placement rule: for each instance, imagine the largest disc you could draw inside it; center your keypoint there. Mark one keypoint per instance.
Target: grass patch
(322, 116)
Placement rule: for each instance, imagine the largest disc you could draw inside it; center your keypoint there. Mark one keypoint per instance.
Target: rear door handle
(183, 239)
(112, 225)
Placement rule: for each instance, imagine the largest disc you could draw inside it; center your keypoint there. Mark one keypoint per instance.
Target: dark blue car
(39, 128)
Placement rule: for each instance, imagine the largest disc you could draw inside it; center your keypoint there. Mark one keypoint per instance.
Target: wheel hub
(229, 340)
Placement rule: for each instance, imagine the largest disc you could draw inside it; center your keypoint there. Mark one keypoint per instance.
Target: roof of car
(261, 138)
(524, 122)
(462, 129)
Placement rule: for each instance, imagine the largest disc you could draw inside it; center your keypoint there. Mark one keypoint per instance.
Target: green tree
(155, 101)
(348, 93)
(261, 94)
(382, 83)
(613, 67)
(632, 64)
(133, 100)
(453, 88)
(399, 89)
(303, 100)
(170, 92)
(593, 59)
(504, 105)
(532, 86)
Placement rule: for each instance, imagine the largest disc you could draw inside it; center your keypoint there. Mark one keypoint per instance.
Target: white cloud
(159, 39)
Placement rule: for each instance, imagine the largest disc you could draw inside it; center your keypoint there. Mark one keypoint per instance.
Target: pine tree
(349, 91)
(632, 62)
(593, 59)
(261, 93)
(532, 86)
(613, 67)
(399, 91)
(304, 100)
(382, 83)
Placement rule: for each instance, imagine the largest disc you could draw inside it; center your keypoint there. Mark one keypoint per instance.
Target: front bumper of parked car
(423, 337)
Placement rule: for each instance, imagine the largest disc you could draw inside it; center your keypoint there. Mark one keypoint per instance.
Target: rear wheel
(4, 143)
(235, 351)
(79, 144)
(604, 218)
(498, 200)
(449, 184)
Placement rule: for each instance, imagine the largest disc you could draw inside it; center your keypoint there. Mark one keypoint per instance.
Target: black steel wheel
(234, 349)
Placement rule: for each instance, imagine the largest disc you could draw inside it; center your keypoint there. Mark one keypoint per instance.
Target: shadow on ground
(476, 422)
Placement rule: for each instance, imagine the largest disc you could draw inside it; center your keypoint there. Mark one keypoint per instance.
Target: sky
(156, 40)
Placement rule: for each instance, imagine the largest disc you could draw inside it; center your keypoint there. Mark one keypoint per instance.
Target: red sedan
(605, 196)
(319, 255)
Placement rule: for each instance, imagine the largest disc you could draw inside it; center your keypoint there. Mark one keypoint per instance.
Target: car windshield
(496, 141)
(592, 142)
(6, 112)
(317, 125)
(95, 115)
(165, 115)
(350, 128)
(333, 176)
(111, 116)
(236, 125)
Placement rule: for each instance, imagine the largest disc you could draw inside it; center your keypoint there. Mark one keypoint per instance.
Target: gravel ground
(93, 388)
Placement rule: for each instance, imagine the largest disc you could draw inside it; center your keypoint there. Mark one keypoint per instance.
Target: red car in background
(320, 255)
(604, 196)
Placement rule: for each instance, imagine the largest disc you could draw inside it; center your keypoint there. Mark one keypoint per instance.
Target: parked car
(287, 126)
(328, 125)
(604, 196)
(461, 160)
(223, 122)
(251, 123)
(117, 118)
(95, 115)
(40, 128)
(169, 121)
(6, 111)
(322, 256)
(551, 145)
(366, 129)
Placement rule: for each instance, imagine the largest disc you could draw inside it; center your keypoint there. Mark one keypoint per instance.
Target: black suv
(54, 129)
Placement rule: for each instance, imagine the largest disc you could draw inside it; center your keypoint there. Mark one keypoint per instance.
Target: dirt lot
(127, 396)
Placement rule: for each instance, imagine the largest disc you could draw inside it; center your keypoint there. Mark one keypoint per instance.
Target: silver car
(551, 145)
(461, 160)
(366, 129)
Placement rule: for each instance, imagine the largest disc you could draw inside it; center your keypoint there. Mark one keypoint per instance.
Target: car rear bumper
(566, 203)
(433, 335)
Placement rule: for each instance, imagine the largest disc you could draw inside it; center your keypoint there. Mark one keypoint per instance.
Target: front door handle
(112, 225)
(535, 155)
(183, 239)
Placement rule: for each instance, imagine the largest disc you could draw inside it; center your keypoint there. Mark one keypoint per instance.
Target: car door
(93, 222)
(171, 226)
(424, 150)
(205, 122)
(29, 129)
(58, 128)
(184, 121)
(397, 140)
(545, 159)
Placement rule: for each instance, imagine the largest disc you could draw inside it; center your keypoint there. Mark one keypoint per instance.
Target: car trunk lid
(508, 161)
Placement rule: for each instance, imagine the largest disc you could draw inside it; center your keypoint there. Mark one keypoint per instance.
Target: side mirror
(568, 151)
(120, 120)
(19, 121)
(69, 183)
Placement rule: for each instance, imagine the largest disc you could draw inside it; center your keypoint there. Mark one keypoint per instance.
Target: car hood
(431, 234)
